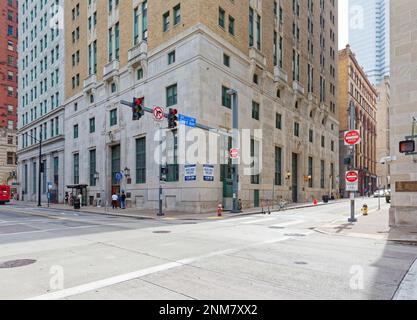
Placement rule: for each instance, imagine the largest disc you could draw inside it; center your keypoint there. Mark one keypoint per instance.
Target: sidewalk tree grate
(16, 263)
(161, 232)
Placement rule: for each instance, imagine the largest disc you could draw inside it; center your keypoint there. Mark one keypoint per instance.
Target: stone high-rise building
(41, 94)
(8, 91)
(403, 109)
(280, 56)
(354, 86)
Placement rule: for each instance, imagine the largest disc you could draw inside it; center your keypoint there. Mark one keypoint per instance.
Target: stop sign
(352, 176)
(352, 137)
(234, 153)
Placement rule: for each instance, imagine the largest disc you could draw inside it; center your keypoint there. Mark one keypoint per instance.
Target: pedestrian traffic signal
(172, 118)
(407, 146)
(137, 108)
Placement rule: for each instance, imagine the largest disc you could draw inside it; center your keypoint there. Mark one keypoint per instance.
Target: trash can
(77, 204)
(326, 199)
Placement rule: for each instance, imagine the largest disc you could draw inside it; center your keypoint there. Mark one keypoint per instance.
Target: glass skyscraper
(369, 36)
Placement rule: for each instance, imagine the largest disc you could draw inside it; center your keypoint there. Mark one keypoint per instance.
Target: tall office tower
(8, 92)
(369, 36)
(41, 94)
(279, 56)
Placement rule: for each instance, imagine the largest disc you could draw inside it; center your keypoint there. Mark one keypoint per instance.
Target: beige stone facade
(8, 158)
(200, 48)
(383, 148)
(403, 109)
(354, 86)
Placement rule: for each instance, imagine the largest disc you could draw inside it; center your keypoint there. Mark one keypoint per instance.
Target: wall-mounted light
(288, 175)
(127, 172)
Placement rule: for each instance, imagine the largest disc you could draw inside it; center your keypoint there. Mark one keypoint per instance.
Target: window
(75, 131)
(226, 60)
(165, 20)
(177, 14)
(322, 141)
(172, 157)
(255, 110)
(139, 74)
(113, 117)
(310, 136)
(322, 165)
(171, 57)
(226, 98)
(76, 168)
(296, 129)
(10, 158)
(171, 95)
(221, 17)
(231, 25)
(254, 152)
(92, 168)
(141, 160)
(92, 125)
(278, 166)
(278, 121)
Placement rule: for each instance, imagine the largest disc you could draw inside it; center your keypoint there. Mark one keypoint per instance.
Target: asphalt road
(277, 256)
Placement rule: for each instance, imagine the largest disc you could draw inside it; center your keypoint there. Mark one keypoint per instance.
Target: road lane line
(96, 285)
(65, 228)
(259, 220)
(289, 223)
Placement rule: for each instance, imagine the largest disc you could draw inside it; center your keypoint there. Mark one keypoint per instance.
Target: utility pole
(40, 170)
(352, 126)
(235, 145)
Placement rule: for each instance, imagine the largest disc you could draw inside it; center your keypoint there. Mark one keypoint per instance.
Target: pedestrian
(66, 198)
(80, 197)
(123, 200)
(114, 198)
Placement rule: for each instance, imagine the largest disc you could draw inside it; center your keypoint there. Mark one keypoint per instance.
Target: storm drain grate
(161, 231)
(294, 235)
(16, 263)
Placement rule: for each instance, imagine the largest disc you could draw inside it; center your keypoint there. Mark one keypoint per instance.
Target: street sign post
(352, 137)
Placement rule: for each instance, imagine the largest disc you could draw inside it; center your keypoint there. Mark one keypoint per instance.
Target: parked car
(379, 193)
(388, 196)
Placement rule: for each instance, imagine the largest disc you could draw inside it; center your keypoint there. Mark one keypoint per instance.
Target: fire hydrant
(365, 210)
(219, 210)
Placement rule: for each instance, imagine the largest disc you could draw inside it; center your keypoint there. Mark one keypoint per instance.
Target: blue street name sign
(187, 121)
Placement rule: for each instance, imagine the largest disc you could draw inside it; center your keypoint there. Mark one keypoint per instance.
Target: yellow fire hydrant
(365, 210)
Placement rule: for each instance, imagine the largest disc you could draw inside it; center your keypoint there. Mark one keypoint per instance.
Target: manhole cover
(300, 263)
(272, 227)
(162, 231)
(16, 263)
(294, 235)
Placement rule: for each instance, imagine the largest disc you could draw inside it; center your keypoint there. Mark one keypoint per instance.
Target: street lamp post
(39, 165)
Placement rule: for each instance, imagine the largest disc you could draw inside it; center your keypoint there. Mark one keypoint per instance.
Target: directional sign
(234, 153)
(352, 180)
(158, 113)
(352, 137)
(187, 121)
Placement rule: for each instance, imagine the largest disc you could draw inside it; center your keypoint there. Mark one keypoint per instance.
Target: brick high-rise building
(354, 86)
(280, 56)
(8, 90)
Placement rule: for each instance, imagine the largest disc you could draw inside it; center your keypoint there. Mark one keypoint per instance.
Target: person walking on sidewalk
(114, 199)
(123, 200)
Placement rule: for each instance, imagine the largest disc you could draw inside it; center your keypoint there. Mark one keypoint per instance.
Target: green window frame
(177, 14)
(136, 26)
(226, 98)
(76, 168)
(278, 121)
(92, 167)
(141, 160)
(255, 178)
(322, 173)
(171, 95)
(222, 15)
(75, 131)
(278, 166)
(255, 110)
(92, 125)
(113, 117)
(310, 171)
(172, 166)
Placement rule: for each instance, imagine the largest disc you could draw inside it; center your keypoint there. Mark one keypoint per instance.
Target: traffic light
(137, 108)
(164, 173)
(407, 146)
(172, 118)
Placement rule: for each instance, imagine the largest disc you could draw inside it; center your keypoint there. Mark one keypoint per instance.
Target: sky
(343, 24)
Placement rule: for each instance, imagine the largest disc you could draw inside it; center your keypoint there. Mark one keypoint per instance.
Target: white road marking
(47, 230)
(408, 287)
(65, 293)
(288, 223)
(259, 220)
(233, 220)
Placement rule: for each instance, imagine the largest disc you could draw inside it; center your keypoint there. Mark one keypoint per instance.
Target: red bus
(4, 194)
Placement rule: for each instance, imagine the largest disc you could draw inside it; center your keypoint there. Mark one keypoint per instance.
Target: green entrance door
(115, 168)
(256, 198)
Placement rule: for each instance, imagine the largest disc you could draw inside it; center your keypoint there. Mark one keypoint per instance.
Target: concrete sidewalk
(373, 226)
(152, 214)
